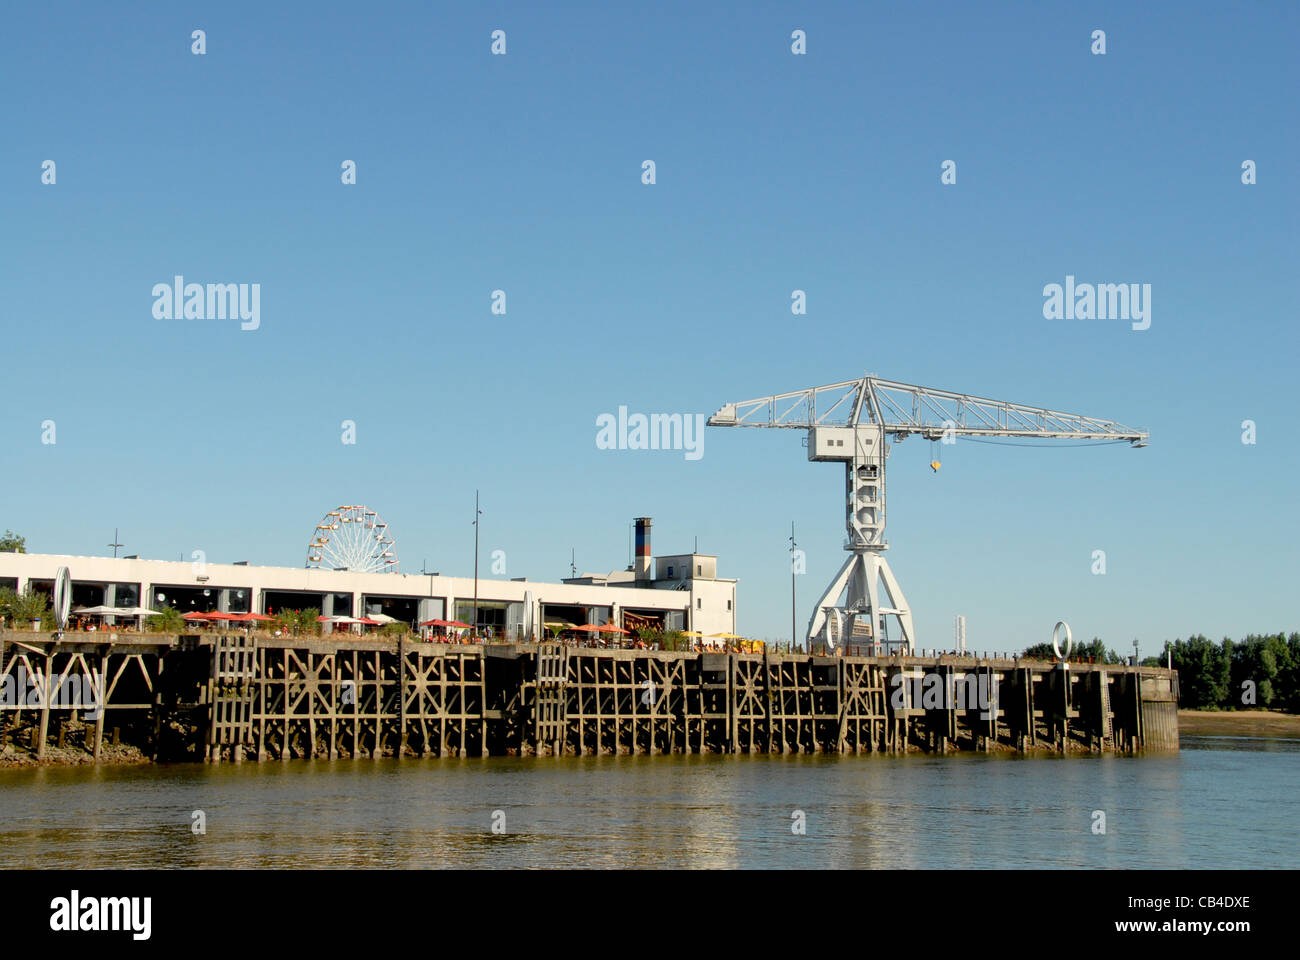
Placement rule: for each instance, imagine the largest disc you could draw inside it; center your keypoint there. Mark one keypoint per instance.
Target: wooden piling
(45, 706)
(101, 711)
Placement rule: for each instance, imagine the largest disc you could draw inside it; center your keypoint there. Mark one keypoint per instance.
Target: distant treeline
(1094, 651)
(1259, 671)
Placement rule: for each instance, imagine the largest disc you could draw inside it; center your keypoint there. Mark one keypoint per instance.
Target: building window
(728, 604)
(670, 571)
(238, 600)
(699, 603)
(699, 569)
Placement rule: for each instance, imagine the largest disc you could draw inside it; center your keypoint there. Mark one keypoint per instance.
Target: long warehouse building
(677, 592)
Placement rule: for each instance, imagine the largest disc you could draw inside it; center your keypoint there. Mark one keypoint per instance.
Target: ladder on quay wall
(1107, 719)
(234, 662)
(550, 695)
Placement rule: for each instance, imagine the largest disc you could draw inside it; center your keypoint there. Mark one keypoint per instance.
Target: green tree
(1267, 664)
(8, 600)
(1203, 671)
(19, 609)
(12, 543)
(169, 620)
(1289, 676)
(296, 622)
(1219, 675)
(1094, 649)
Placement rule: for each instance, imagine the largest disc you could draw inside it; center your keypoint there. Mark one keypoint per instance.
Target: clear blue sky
(775, 172)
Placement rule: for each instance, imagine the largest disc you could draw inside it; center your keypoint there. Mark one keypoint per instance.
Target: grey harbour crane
(849, 422)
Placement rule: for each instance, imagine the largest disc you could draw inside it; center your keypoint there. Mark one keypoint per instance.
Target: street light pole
(477, 513)
(115, 544)
(793, 604)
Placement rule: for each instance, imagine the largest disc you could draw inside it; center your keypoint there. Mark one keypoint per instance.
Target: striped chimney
(643, 548)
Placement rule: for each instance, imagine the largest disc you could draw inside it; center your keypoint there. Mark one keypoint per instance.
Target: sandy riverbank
(1238, 723)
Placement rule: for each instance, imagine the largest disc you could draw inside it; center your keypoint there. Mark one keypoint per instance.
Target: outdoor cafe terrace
(607, 635)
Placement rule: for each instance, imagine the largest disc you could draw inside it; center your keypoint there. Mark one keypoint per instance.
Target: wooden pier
(240, 697)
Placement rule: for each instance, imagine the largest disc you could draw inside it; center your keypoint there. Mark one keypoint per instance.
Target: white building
(684, 593)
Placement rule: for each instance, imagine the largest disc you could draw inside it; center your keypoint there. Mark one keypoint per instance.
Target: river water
(1220, 802)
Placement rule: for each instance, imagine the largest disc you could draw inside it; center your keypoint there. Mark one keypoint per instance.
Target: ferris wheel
(352, 538)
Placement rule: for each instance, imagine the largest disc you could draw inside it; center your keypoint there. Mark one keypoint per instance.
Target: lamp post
(793, 604)
(477, 513)
(115, 544)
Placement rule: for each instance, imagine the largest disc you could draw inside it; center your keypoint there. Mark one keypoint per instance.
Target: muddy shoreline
(11, 756)
(1267, 724)
(67, 746)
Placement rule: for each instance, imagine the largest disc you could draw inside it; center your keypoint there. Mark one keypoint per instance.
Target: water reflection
(1217, 803)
